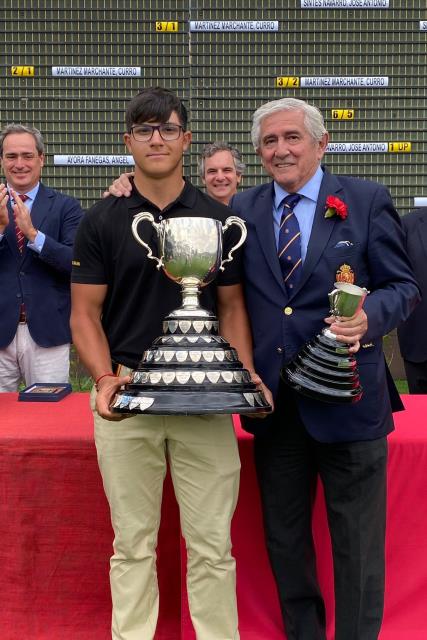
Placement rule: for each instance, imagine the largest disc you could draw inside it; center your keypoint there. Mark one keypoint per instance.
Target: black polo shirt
(139, 295)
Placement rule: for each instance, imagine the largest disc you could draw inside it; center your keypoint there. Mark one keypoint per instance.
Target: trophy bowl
(190, 369)
(325, 369)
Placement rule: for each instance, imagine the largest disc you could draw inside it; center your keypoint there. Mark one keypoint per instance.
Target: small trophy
(324, 369)
(190, 369)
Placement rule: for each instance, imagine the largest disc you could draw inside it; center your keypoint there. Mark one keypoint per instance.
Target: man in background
(37, 229)
(221, 169)
(412, 334)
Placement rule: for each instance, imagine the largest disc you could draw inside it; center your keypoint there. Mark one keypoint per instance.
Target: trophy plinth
(325, 369)
(190, 369)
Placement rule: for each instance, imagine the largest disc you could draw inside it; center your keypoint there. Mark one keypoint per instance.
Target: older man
(287, 300)
(37, 229)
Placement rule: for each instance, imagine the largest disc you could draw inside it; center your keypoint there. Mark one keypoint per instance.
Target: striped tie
(20, 238)
(289, 249)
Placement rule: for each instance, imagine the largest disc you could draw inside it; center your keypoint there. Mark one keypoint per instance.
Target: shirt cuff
(38, 243)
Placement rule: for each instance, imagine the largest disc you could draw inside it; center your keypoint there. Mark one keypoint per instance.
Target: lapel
(263, 220)
(321, 230)
(39, 211)
(41, 206)
(10, 234)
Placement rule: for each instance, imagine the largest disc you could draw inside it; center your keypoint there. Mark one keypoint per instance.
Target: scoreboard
(70, 67)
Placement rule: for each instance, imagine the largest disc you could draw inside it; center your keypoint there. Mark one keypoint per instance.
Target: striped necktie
(20, 238)
(289, 249)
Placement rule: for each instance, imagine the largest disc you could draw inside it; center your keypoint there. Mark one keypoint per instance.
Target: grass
(79, 377)
(402, 386)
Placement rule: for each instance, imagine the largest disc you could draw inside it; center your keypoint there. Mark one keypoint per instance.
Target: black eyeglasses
(168, 131)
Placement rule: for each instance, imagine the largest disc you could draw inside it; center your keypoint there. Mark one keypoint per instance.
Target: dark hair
(155, 103)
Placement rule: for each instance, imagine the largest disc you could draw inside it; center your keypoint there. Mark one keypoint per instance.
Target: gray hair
(212, 148)
(20, 128)
(313, 119)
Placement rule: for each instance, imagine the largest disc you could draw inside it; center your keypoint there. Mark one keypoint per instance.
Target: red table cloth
(56, 534)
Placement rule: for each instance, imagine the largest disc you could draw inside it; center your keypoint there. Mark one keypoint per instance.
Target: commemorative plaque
(190, 368)
(325, 369)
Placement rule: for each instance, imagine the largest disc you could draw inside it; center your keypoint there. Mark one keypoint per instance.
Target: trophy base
(190, 370)
(325, 370)
(189, 402)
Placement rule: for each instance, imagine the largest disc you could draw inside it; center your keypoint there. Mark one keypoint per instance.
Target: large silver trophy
(190, 369)
(324, 369)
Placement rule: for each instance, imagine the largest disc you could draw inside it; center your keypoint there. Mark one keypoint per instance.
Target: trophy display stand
(190, 369)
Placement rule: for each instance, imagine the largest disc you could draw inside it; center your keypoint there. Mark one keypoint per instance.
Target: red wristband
(104, 375)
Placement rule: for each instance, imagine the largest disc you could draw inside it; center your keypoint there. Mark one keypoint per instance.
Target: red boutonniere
(335, 207)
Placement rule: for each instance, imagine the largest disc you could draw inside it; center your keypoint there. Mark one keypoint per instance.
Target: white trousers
(205, 467)
(24, 360)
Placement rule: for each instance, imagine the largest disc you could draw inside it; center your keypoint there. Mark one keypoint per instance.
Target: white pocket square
(343, 243)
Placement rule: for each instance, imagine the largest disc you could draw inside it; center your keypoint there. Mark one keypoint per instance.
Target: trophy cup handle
(145, 215)
(239, 222)
(332, 297)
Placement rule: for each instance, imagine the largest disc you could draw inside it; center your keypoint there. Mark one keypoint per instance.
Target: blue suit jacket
(40, 281)
(412, 333)
(371, 243)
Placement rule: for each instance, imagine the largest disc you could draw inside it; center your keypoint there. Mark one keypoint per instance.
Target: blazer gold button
(288, 311)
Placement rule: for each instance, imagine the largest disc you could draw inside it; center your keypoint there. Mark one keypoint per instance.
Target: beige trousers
(23, 359)
(205, 468)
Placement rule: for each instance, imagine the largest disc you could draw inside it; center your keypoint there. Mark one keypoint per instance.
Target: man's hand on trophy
(107, 389)
(349, 330)
(121, 186)
(267, 394)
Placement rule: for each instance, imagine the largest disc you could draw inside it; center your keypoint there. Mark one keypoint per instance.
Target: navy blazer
(40, 281)
(412, 334)
(370, 241)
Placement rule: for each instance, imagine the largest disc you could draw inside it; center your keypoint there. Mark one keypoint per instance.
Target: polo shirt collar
(186, 198)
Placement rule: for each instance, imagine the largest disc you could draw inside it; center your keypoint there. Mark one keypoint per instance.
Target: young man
(345, 445)
(119, 302)
(37, 229)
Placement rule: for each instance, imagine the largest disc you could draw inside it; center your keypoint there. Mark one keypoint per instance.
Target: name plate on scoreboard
(234, 25)
(62, 160)
(369, 147)
(97, 72)
(423, 25)
(420, 202)
(345, 4)
(370, 82)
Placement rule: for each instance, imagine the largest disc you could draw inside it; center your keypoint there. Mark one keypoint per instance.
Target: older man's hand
(121, 186)
(349, 330)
